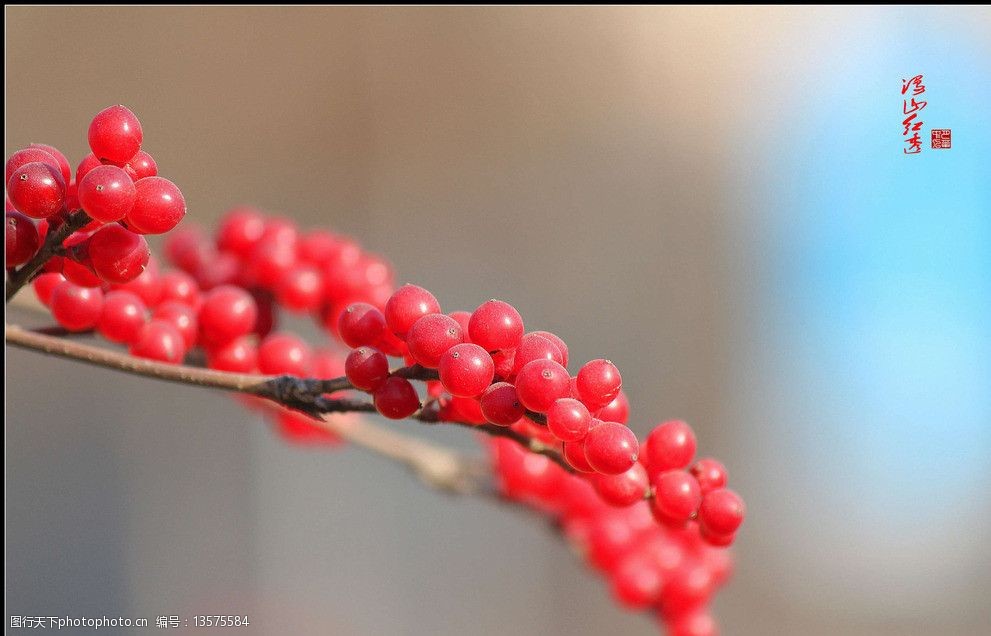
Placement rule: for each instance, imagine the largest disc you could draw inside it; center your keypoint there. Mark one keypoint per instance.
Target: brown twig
(53, 243)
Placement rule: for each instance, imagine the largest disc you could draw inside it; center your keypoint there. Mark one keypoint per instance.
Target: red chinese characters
(911, 107)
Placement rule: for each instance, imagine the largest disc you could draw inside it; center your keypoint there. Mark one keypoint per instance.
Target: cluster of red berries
(644, 513)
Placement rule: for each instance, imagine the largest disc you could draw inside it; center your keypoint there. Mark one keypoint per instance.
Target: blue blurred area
(878, 289)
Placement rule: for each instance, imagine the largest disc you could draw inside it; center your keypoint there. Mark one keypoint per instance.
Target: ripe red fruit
(182, 317)
(432, 335)
(63, 163)
(710, 473)
(611, 448)
(676, 497)
(396, 398)
(159, 340)
(406, 305)
(142, 165)
(574, 454)
(562, 347)
(158, 206)
(495, 325)
(500, 404)
(237, 356)
(30, 155)
(284, 353)
(228, 312)
(179, 286)
(568, 419)
(240, 230)
(115, 134)
(148, 285)
(122, 318)
(598, 383)
(466, 370)
(106, 193)
(636, 583)
(624, 489)
(616, 411)
(540, 383)
(45, 284)
(462, 318)
(117, 255)
(366, 368)
(696, 623)
(76, 308)
(721, 512)
(687, 590)
(88, 163)
(360, 324)
(21, 240)
(535, 347)
(301, 288)
(37, 189)
(670, 445)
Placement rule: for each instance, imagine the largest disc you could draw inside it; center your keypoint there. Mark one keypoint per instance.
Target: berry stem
(51, 247)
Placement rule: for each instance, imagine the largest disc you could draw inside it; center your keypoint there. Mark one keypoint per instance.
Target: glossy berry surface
(721, 512)
(676, 497)
(60, 158)
(669, 445)
(106, 193)
(495, 325)
(117, 255)
(158, 206)
(500, 404)
(366, 368)
(535, 347)
(396, 398)
(407, 305)
(142, 165)
(115, 135)
(284, 353)
(624, 489)
(76, 308)
(300, 289)
(21, 239)
(568, 419)
(542, 382)
(431, 336)
(45, 284)
(182, 317)
(237, 356)
(30, 155)
(611, 448)
(122, 318)
(37, 189)
(710, 473)
(598, 383)
(159, 340)
(466, 370)
(227, 313)
(360, 324)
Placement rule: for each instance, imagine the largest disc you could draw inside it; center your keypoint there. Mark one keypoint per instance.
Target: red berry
(37, 189)
(721, 512)
(535, 347)
(616, 411)
(624, 489)
(406, 306)
(301, 288)
(432, 335)
(500, 405)
(240, 230)
(717, 540)
(142, 165)
(270, 261)
(574, 454)
(122, 318)
(710, 473)
(466, 370)
(148, 285)
(636, 583)
(563, 348)
(45, 284)
(396, 398)
(182, 317)
(598, 383)
(60, 158)
(495, 325)
(568, 419)
(611, 448)
(237, 356)
(117, 255)
(227, 313)
(696, 623)
(360, 325)
(181, 287)
(22, 240)
(115, 135)
(540, 383)
(463, 409)
(284, 353)
(158, 206)
(687, 590)
(669, 445)
(76, 308)
(106, 193)
(462, 318)
(505, 363)
(676, 497)
(159, 340)
(366, 368)
(30, 155)
(88, 163)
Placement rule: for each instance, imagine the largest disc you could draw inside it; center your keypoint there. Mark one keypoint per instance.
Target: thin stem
(52, 245)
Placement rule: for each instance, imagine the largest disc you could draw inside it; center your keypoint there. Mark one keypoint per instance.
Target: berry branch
(646, 513)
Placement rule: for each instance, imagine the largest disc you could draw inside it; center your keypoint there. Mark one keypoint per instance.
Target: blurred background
(714, 198)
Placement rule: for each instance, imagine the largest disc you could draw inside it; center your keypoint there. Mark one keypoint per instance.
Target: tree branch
(53, 243)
